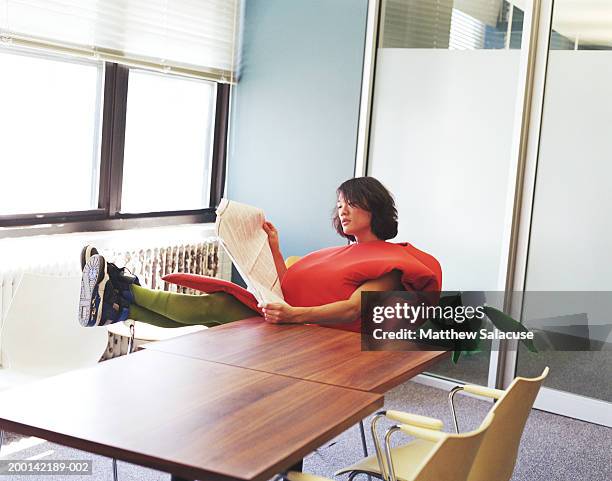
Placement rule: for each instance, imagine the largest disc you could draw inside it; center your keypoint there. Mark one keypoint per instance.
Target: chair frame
(451, 402)
(383, 469)
(383, 475)
(491, 393)
(389, 458)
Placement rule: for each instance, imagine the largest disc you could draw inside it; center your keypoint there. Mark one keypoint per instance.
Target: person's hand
(272, 233)
(280, 313)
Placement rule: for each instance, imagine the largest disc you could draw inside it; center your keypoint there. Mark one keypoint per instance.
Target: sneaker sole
(93, 281)
(86, 254)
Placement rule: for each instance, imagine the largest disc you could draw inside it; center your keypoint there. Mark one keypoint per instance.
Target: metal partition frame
(532, 94)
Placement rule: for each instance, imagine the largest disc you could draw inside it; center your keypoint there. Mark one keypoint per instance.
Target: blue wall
(294, 114)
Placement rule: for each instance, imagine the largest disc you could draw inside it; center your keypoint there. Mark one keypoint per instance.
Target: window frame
(107, 215)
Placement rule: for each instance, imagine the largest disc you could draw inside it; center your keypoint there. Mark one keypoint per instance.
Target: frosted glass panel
(441, 140)
(571, 230)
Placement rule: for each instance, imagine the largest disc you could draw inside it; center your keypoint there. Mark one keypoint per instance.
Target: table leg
(363, 439)
(297, 466)
(363, 443)
(300, 465)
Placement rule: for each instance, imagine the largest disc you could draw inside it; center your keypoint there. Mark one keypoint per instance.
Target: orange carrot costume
(333, 274)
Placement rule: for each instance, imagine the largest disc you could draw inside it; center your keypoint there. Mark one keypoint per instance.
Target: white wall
(441, 141)
(293, 130)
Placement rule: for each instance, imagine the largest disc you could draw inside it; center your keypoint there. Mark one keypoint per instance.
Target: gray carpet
(554, 448)
(571, 371)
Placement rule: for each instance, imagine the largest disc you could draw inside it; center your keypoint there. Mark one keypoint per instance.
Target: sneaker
(122, 279)
(86, 253)
(93, 283)
(101, 302)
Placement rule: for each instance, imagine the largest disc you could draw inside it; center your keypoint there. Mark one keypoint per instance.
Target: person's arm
(279, 261)
(335, 312)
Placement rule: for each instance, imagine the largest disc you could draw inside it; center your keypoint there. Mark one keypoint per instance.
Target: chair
(289, 261)
(140, 332)
(497, 455)
(40, 337)
(433, 456)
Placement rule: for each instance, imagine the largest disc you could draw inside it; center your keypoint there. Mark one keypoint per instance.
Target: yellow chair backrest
(289, 261)
(497, 455)
(452, 459)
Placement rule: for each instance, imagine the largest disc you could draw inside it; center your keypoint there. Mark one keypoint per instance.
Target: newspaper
(240, 231)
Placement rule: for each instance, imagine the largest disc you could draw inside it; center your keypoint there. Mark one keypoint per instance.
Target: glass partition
(571, 229)
(442, 134)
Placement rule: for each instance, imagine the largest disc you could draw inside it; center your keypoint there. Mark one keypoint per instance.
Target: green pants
(169, 309)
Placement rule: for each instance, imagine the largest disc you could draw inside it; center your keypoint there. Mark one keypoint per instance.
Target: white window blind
(193, 37)
(430, 23)
(466, 33)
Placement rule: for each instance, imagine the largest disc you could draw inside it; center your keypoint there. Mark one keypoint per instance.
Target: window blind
(192, 37)
(432, 23)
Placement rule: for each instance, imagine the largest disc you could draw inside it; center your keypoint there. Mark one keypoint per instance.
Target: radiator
(152, 263)
(149, 263)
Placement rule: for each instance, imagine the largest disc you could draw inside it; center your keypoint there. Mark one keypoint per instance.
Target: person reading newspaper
(323, 287)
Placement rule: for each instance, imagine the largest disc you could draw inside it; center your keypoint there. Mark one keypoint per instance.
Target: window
(50, 128)
(168, 139)
(95, 142)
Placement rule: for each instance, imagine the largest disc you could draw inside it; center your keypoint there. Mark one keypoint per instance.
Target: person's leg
(141, 314)
(110, 294)
(211, 309)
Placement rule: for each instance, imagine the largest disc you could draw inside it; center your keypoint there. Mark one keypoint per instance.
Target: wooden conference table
(313, 353)
(172, 408)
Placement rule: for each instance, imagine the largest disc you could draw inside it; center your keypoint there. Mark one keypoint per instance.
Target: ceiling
(588, 21)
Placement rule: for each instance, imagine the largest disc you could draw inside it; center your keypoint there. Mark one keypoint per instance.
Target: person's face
(355, 220)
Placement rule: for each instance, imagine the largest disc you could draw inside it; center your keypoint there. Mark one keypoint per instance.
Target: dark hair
(369, 194)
